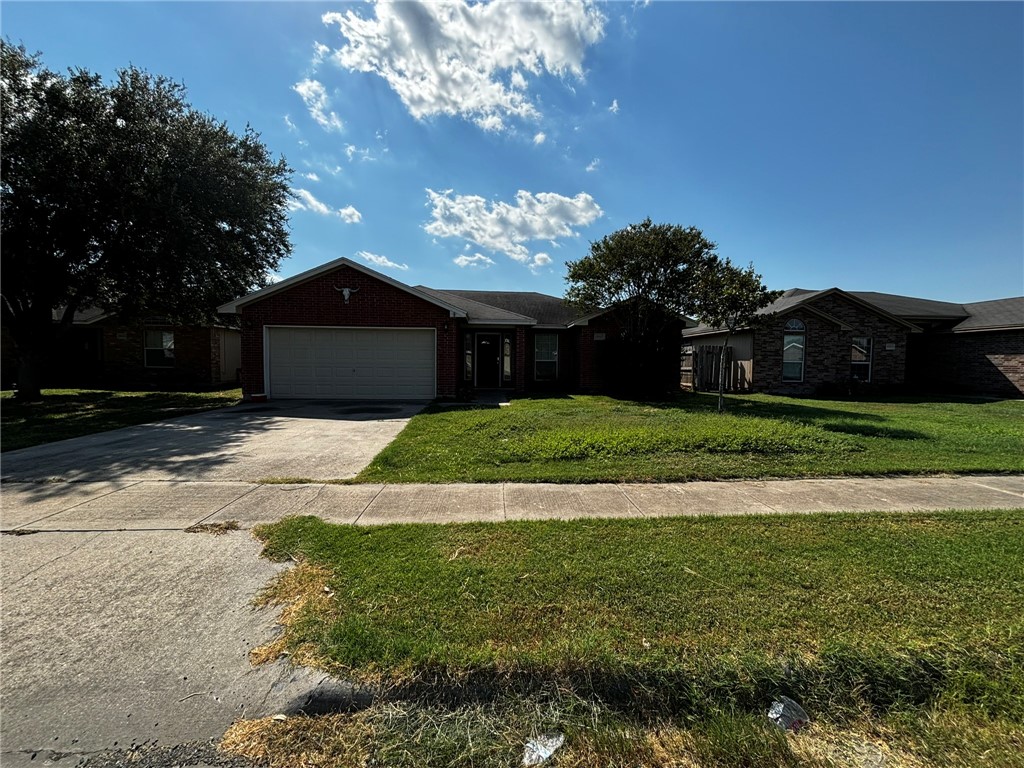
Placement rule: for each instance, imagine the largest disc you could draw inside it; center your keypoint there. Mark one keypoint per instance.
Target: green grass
(904, 629)
(595, 439)
(64, 413)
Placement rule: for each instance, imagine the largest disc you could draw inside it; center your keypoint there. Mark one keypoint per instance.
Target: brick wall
(376, 304)
(827, 351)
(124, 356)
(984, 363)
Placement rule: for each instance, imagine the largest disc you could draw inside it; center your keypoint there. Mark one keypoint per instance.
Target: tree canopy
(644, 276)
(123, 196)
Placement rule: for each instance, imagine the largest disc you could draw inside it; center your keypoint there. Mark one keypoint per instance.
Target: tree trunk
(30, 373)
(721, 374)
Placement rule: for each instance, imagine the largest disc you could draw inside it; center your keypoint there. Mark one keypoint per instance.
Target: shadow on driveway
(293, 439)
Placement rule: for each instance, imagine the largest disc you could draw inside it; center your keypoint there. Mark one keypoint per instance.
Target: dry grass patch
(217, 529)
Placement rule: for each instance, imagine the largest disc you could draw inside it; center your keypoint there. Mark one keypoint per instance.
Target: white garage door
(351, 363)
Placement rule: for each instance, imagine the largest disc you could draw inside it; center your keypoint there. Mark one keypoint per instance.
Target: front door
(488, 360)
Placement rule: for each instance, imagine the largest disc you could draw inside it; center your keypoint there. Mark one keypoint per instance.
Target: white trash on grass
(541, 748)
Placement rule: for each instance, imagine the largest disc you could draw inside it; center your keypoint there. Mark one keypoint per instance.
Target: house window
(794, 342)
(860, 358)
(545, 357)
(159, 349)
(506, 359)
(467, 366)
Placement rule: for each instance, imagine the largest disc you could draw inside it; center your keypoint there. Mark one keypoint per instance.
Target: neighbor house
(98, 350)
(815, 342)
(343, 330)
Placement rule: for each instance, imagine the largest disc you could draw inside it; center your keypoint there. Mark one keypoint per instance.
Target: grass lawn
(658, 642)
(65, 413)
(592, 439)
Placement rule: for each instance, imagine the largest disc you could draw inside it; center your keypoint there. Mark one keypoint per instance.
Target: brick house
(814, 342)
(98, 350)
(343, 330)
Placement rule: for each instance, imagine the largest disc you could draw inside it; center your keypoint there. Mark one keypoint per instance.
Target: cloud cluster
(314, 95)
(380, 261)
(476, 260)
(304, 200)
(503, 227)
(468, 60)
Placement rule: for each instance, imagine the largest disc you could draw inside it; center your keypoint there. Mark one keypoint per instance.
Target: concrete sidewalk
(160, 505)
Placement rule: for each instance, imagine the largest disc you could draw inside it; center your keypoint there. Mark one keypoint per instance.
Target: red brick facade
(991, 362)
(376, 304)
(828, 348)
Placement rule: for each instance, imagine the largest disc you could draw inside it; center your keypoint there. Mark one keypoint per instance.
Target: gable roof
(234, 307)
(909, 307)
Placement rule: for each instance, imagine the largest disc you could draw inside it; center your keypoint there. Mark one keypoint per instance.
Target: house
(812, 342)
(99, 350)
(343, 330)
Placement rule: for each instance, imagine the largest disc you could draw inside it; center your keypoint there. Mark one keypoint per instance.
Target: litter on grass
(787, 714)
(541, 748)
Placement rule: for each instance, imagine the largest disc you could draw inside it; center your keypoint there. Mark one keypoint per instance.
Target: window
(793, 347)
(467, 367)
(545, 356)
(159, 349)
(860, 358)
(506, 359)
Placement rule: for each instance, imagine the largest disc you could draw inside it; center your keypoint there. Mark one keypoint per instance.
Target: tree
(730, 297)
(126, 198)
(645, 275)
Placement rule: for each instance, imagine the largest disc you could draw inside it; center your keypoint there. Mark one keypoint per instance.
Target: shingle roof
(544, 309)
(909, 307)
(988, 315)
(478, 311)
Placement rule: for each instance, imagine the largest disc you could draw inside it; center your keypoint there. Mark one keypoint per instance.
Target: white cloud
(311, 176)
(593, 165)
(320, 52)
(350, 215)
(540, 138)
(304, 200)
(503, 227)
(273, 277)
(288, 121)
(380, 261)
(314, 95)
(614, 108)
(476, 260)
(540, 260)
(451, 58)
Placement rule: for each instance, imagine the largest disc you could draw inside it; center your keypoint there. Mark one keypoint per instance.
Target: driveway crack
(225, 506)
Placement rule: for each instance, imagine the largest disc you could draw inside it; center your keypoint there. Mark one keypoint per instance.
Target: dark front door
(488, 360)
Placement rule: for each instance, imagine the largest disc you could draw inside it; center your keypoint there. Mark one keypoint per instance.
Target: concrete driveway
(320, 440)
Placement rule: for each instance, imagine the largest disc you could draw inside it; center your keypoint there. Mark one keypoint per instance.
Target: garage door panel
(347, 363)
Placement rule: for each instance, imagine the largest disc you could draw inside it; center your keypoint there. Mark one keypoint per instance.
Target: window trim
(794, 328)
(146, 349)
(554, 359)
(870, 346)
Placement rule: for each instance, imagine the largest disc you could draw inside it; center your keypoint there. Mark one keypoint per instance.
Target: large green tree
(645, 275)
(123, 196)
(729, 297)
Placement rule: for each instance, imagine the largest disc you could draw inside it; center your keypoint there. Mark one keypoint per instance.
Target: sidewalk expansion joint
(1001, 490)
(629, 501)
(369, 504)
(225, 506)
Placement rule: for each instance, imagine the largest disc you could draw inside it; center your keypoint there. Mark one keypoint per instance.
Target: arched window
(794, 343)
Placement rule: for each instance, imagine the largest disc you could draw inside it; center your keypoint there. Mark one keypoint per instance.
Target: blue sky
(870, 146)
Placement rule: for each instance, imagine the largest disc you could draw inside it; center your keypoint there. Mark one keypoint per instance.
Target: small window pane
(159, 351)
(795, 325)
(506, 357)
(860, 358)
(545, 356)
(793, 357)
(467, 371)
